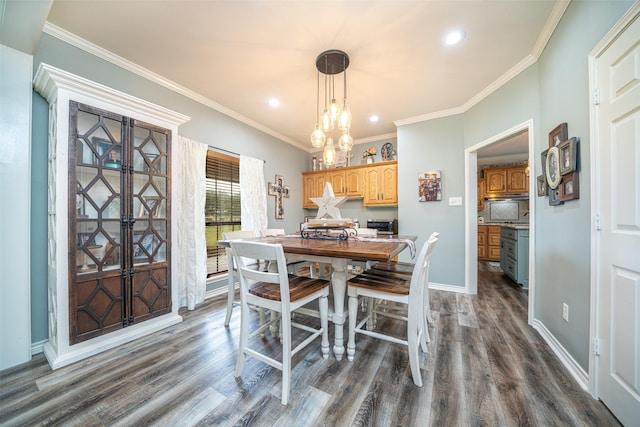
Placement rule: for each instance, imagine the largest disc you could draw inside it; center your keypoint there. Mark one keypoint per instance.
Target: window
(222, 208)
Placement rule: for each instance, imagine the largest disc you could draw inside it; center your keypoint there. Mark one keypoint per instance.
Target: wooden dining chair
(282, 294)
(399, 289)
(406, 268)
(232, 276)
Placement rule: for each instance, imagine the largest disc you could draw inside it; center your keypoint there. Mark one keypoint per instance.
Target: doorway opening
(511, 146)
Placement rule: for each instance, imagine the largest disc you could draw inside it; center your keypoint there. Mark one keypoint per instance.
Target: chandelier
(334, 115)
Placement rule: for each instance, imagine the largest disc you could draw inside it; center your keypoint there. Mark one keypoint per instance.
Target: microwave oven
(384, 226)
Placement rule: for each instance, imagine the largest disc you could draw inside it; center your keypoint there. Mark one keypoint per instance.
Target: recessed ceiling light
(454, 37)
(274, 103)
(374, 118)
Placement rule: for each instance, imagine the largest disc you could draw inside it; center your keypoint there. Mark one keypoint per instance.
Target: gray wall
(552, 91)
(563, 237)
(206, 125)
(434, 145)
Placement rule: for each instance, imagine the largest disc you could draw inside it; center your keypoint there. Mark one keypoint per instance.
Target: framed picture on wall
(568, 156)
(558, 135)
(570, 187)
(542, 186)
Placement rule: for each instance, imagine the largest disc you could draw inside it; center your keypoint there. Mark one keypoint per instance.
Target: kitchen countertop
(517, 226)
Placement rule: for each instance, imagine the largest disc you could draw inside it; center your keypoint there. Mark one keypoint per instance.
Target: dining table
(339, 253)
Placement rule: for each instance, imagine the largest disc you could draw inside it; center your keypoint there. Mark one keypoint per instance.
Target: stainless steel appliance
(384, 226)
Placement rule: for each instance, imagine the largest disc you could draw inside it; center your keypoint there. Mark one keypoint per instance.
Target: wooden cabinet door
(354, 182)
(337, 180)
(381, 182)
(119, 222)
(481, 190)
(495, 180)
(517, 180)
(312, 186)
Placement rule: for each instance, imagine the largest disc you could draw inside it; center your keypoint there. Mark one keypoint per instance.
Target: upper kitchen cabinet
(506, 180)
(346, 181)
(381, 184)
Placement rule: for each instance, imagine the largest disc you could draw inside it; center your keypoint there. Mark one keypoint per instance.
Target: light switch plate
(455, 201)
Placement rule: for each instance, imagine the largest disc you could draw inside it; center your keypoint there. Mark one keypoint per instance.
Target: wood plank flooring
(485, 367)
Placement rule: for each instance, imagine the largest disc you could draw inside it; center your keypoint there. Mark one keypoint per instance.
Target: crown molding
(121, 62)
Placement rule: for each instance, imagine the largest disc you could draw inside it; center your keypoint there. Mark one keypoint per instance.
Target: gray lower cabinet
(514, 254)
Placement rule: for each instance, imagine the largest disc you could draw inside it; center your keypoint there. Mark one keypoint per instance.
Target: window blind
(222, 207)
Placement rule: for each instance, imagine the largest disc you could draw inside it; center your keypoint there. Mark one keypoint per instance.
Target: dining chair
(292, 266)
(399, 289)
(232, 276)
(282, 294)
(406, 268)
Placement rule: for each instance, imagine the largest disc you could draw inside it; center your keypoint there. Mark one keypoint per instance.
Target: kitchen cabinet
(488, 242)
(506, 180)
(381, 184)
(347, 181)
(514, 255)
(481, 191)
(376, 183)
(312, 186)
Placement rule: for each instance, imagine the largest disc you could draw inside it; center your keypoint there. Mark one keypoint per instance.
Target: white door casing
(615, 80)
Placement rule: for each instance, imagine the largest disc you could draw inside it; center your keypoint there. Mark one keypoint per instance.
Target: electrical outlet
(565, 312)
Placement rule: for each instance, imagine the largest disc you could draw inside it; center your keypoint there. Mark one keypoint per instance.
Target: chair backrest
(271, 232)
(272, 253)
(420, 275)
(240, 234)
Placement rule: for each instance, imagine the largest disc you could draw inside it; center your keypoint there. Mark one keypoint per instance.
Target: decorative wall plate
(387, 151)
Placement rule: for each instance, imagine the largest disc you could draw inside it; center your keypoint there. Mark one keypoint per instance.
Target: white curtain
(191, 248)
(253, 194)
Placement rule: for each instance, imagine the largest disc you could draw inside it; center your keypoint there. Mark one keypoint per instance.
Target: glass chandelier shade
(345, 142)
(318, 138)
(334, 115)
(329, 154)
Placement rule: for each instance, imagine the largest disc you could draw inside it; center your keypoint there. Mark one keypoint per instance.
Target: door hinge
(597, 222)
(596, 346)
(596, 96)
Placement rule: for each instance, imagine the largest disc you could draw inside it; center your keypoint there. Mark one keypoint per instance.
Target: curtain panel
(191, 249)
(253, 194)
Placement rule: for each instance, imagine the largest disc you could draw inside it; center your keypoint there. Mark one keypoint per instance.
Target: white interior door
(618, 192)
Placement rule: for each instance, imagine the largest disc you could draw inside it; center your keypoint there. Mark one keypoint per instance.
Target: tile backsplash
(516, 211)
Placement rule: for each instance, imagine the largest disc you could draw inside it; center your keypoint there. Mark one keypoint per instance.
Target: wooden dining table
(338, 254)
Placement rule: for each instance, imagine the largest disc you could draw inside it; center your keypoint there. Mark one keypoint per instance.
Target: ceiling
(236, 55)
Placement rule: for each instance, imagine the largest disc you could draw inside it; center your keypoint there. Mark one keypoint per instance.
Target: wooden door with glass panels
(119, 223)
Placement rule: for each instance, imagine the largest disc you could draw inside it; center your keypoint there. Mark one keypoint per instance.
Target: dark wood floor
(486, 366)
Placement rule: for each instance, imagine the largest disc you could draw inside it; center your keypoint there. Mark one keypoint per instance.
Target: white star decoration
(328, 203)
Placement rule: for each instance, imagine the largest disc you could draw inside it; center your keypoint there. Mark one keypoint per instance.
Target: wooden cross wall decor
(279, 190)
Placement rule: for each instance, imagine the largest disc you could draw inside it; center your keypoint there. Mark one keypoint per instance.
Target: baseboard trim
(447, 288)
(38, 347)
(579, 374)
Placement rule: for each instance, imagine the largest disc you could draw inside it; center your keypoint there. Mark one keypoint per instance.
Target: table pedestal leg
(339, 285)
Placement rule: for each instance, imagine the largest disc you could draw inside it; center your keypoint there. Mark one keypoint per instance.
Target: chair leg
(324, 324)
(353, 312)
(285, 321)
(413, 336)
(230, 297)
(244, 337)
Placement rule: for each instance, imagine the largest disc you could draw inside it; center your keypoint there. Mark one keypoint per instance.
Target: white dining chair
(232, 276)
(292, 266)
(399, 289)
(406, 268)
(282, 294)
